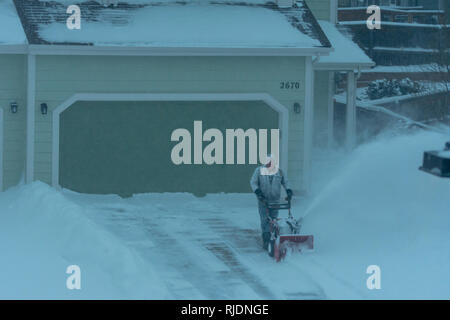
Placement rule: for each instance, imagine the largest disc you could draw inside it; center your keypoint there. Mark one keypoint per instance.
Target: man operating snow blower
(266, 183)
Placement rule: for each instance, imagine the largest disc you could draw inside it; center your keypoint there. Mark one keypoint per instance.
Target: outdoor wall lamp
(297, 108)
(44, 108)
(14, 107)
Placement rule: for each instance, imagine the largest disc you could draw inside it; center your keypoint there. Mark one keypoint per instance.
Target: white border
(173, 51)
(31, 94)
(1, 148)
(14, 49)
(308, 126)
(283, 119)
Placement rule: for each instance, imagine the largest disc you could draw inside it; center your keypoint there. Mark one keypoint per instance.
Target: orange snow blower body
(285, 233)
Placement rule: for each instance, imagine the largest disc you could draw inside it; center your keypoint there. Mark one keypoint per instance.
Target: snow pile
(42, 233)
(381, 210)
(194, 25)
(11, 31)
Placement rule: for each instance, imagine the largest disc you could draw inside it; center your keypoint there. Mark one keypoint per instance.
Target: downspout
(350, 117)
(1, 148)
(31, 95)
(358, 75)
(308, 124)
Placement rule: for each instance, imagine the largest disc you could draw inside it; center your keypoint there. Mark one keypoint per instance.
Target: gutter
(13, 48)
(52, 49)
(343, 66)
(172, 51)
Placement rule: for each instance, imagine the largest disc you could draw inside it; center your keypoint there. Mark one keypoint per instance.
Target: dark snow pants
(265, 224)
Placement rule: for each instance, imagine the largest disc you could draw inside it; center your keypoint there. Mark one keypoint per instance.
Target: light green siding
(59, 77)
(320, 8)
(13, 88)
(321, 99)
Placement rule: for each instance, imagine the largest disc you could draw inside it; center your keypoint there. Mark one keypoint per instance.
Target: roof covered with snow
(11, 31)
(169, 23)
(346, 54)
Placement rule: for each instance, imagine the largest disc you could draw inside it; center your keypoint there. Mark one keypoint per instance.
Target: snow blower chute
(285, 233)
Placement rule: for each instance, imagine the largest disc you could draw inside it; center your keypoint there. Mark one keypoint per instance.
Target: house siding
(321, 98)
(320, 9)
(59, 77)
(13, 88)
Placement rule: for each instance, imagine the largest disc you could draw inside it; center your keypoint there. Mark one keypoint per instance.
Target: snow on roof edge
(11, 29)
(346, 52)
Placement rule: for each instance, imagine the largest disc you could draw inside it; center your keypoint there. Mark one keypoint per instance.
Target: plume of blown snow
(379, 209)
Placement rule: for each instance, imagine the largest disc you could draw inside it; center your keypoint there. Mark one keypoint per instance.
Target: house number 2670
(289, 85)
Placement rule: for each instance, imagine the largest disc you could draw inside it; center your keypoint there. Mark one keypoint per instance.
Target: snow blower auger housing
(285, 233)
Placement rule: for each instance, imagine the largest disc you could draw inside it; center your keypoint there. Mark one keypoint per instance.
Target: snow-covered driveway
(207, 248)
(374, 208)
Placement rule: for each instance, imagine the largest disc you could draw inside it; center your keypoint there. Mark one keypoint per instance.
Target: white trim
(14, 49)
(336, 66)
(330, 109)
(31, 94)
(268, 99)
(308, 125)
(172, 51)
(1, 148)
(350, 114)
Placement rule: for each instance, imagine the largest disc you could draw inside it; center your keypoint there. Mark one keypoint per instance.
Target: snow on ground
(381, 210)
(432, 67)
(372, 207)
(11, 31)
(427, 88)
(42, 233)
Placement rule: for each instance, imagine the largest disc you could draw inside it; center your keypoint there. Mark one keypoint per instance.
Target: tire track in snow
(175, 250)
(247, 243)
(230, 258)
(126, 224)
(233, 279)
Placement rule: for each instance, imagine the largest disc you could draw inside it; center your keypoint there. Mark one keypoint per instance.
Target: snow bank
(379, 209)
(42, 233)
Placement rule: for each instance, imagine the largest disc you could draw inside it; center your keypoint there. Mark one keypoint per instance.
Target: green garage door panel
(124, 147)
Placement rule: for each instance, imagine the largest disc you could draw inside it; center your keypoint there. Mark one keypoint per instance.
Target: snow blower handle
(278, 205)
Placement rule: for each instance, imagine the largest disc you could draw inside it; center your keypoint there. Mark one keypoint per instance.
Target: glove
(260, 195)
(289, 194)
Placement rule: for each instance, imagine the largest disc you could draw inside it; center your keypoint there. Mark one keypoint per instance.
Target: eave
(172, 51)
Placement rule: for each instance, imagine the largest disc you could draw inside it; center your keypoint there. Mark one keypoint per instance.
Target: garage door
(125, 147)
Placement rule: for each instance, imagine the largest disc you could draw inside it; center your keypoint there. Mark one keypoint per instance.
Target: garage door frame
(283, 119)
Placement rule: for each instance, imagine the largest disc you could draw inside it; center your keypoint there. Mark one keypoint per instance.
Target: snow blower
(285, 233)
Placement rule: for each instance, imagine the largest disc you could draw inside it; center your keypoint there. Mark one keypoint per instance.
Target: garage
(124, 147)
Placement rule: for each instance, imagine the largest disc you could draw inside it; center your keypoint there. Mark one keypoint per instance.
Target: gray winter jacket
(270, 185)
